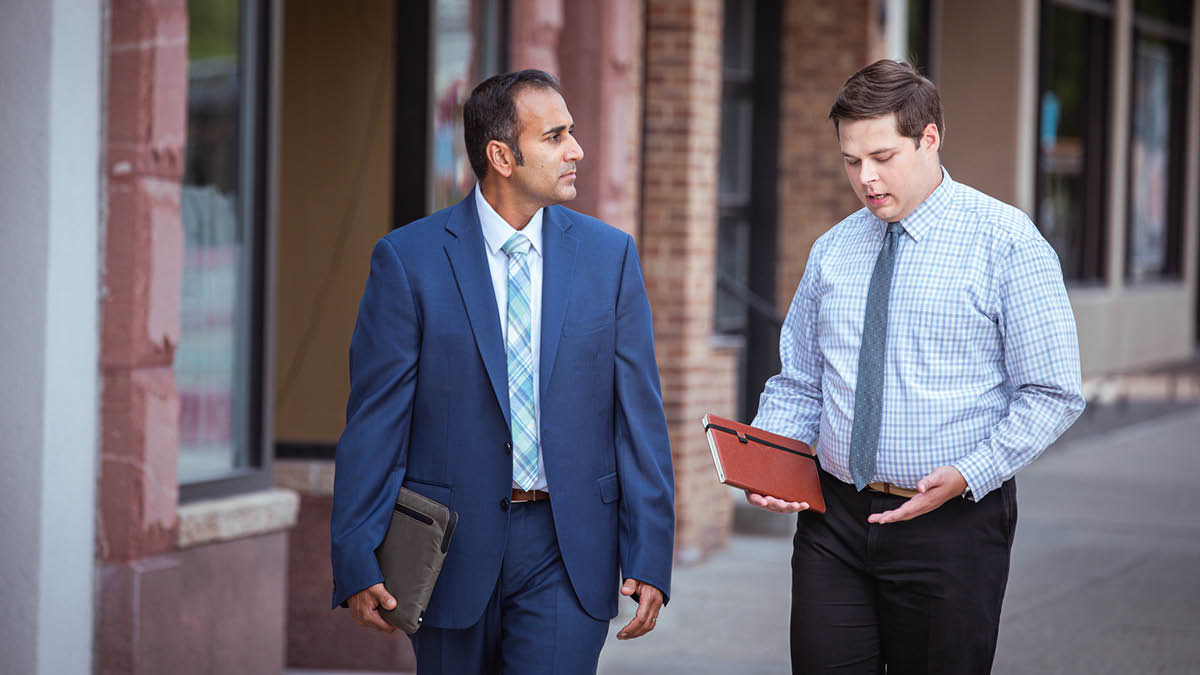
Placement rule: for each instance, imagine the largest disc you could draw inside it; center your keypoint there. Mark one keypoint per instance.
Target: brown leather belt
(530, 496)
(889, 489)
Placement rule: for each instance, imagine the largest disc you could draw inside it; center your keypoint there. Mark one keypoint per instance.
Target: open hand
(365, 604)
(940, 486)
(774, 503)
(650, 601)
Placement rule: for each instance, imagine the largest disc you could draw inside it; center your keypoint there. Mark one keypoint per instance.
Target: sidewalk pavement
(1104, 575)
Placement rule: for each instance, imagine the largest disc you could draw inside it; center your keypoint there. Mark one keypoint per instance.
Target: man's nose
(575, 151)
(868, 174)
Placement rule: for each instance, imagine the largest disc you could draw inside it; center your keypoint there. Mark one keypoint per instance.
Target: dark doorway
(747, 200)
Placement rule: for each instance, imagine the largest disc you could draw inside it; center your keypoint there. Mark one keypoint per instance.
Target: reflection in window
(1072, 153)
(734, 169)
(466, 51)
(210, 364)
(1156, 159)
(920, 37)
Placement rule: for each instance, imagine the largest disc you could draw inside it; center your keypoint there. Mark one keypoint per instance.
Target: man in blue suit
(503, 364)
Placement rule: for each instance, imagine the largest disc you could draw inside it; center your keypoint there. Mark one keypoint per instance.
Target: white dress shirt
(496, 231)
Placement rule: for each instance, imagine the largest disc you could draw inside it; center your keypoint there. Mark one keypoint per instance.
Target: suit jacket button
(504, 504)
(508, 448)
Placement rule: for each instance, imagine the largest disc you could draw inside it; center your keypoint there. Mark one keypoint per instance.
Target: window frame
(254, 44)
(1096, 173)
(1178, 40)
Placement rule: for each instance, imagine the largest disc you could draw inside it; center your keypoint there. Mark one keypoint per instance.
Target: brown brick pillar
(601, 72)
(536, 25)
(142, 276)
(147, 112)
(824, 43)
(678, 245)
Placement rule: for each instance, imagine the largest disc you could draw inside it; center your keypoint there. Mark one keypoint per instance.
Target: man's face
(890, 176)
(548, 145)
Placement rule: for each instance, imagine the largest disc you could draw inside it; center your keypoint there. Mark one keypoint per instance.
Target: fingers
(939, 486)
(364, 607)
(906, 511)
(647, 613)
(774, 503)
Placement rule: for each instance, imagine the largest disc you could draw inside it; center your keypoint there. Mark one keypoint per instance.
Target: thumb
(385, 599)
(629, 587)
(935, 479)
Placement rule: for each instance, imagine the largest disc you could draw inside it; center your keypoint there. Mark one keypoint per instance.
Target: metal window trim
(1173, 264)
(256, 19)
(1101, 7)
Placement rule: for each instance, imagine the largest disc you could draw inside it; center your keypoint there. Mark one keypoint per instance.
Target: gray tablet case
(411, 556)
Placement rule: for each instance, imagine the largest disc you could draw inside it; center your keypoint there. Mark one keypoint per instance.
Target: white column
(50, 73)
(1118, 156)
(1027, 103)
(71, 397)
(896, 31)
(1191, 207)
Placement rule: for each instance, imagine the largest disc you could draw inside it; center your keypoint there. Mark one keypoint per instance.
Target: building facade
(192, 191)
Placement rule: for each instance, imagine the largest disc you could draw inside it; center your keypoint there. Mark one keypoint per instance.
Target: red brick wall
(678, 246)
(824, 43)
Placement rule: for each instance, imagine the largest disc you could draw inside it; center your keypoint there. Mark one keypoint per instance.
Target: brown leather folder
(759, 461)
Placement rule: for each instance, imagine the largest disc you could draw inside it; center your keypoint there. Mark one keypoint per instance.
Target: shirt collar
(496, 230)
(929, 212)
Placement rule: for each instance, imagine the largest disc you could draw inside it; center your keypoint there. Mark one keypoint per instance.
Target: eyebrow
(872, 153)
(557, 130)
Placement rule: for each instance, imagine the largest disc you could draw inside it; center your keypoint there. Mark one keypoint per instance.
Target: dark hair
(490, 114)
(890, 87)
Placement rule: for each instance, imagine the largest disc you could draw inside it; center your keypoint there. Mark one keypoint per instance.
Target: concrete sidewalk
(1104, 576)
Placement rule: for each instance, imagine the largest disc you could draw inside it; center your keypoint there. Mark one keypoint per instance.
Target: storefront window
(215, 361)
(1072, 170)
(1157, 140)
(734, 169)
(466, 49)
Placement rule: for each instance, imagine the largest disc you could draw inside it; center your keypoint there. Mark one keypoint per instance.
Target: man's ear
(500, 158)
(931, 138)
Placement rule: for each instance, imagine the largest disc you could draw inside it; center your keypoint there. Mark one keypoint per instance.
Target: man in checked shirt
(930, 353)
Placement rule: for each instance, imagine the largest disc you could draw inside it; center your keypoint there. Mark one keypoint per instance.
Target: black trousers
(920, 596)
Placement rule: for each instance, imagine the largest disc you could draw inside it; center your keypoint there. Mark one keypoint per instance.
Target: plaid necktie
(520, 364)
(868, 388)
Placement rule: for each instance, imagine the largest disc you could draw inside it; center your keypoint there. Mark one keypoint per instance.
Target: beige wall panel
(979, 74)
(1140, 327)
(337, 64)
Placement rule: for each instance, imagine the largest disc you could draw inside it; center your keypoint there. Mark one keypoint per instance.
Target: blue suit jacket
(429, 409)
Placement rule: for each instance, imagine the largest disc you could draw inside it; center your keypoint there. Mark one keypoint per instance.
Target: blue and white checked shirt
(982, 363)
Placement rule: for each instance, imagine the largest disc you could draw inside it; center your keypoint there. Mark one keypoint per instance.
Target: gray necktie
(868, 389)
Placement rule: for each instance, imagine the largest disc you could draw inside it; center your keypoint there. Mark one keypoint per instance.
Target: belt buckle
(521, 496)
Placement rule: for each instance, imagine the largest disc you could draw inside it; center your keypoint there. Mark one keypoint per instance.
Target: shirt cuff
(979, 471)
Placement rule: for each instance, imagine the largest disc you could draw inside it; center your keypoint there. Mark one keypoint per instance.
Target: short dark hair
(491, 114)
(888, 86)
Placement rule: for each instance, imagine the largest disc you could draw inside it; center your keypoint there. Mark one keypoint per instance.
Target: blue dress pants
(533, 623)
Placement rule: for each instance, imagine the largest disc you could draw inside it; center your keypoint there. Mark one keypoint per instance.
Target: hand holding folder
(764, 463)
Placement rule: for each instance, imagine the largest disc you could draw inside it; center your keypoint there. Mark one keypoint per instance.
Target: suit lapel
(557, 267)
(465, 249)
